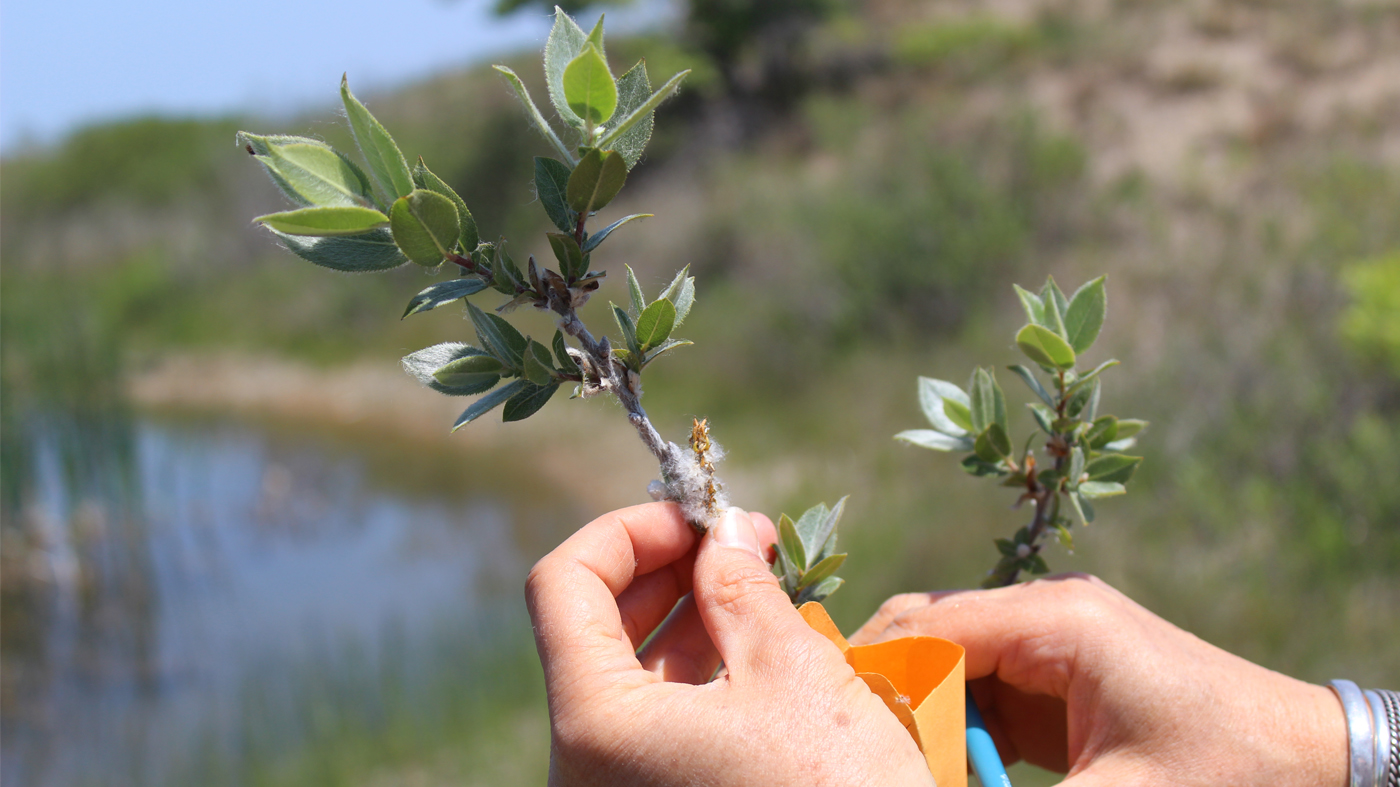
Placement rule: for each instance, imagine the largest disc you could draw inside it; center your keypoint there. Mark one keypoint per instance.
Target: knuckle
(1082, 597)
(897, 605)
(536, 578)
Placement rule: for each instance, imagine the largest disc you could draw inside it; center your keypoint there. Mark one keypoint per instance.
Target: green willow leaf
(561, 354)
(629, 333)
(469, 375)
(1032, 383)
(369, 253)
(589, 87)
(426, 363)
(1034, 307)
(325, 222)
(934, 396)
(1094, 490)
(1082, 510)
(987, 402)
(499, 337)
(958, 413)
(540, 124)
(637, 301)
(807, 526)
(386, 164)
(1078, 400)
(999, 407)
(1050, 295)
(259, 147)
(426, 226)
(566, 250)
(982, 402)
(538, 368)
(625, 355)
(1113, 467)
(1045, 347)
(443, 293)
(1128, 427)
(1066, 540)
(633, 89)
(1088, 377)
(424, 178)
(655, 324)
(1103, 431)
(975, 466)
(642, 112)
(938, 441)
(825, 533)
(823, 569)
(552, 186)
(1084, 315)
(819, 591)
(788, 571)
(566, 40)
(595, 181)
(595, 36)
(323, 175)
(601, 235)
(1044, 416)
(681, 291)
(489, 402)
(793, 550)
(667, 346)
(993, 444)
(1076, 465)
(1084, 506)
(528, 401)
(507, 274)
(310, 172)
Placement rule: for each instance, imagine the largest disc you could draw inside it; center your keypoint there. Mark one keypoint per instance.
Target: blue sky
(66, 64)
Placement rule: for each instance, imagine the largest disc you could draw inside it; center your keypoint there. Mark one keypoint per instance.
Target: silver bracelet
(1373, 734)
(1385, 708)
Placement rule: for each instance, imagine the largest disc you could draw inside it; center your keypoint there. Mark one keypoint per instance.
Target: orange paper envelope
(921, 681)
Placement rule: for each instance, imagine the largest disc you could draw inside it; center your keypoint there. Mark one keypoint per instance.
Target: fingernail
(736, 530)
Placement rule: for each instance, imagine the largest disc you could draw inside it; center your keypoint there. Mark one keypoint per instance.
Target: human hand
(1073, 676)
(788, 711)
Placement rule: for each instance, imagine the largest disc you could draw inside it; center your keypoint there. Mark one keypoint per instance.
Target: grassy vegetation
(871, 236)
(442, 715)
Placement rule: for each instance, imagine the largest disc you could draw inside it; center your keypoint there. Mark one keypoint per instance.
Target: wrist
(1296, 735)
(1283, 732)
(1328, 748)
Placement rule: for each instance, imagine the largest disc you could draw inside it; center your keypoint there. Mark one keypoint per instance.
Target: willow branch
(687, 477)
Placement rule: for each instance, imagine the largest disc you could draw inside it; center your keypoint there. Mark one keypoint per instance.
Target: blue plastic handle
(986, 763)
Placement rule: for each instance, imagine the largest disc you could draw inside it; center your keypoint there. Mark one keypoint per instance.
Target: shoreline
(368, 402)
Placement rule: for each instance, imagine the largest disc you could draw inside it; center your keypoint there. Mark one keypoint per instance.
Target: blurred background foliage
(855, 186)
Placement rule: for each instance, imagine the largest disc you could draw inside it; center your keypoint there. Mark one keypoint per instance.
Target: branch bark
(678, 467)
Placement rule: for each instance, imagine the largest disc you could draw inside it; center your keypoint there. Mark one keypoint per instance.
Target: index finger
(1031, 635)
(572, 594)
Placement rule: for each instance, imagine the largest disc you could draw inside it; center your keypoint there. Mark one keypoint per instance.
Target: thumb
(748, 616)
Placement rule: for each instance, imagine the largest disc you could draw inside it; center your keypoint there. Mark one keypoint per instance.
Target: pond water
(197, 603)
